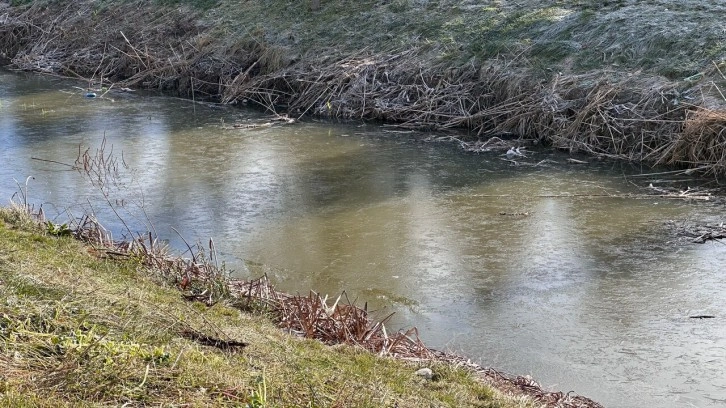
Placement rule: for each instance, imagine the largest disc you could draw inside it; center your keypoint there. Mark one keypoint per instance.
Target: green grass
(79, 330)
(667, 38)
(200, 4)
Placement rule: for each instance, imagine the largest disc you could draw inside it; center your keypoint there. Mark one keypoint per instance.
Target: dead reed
(701, 142)
(628, 116)
(341, 322)
(136, 44)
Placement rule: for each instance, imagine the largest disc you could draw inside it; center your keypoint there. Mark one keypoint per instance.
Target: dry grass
(613, 79)
(342, 322)
(629, 117)
(133, 45)
(702, 141)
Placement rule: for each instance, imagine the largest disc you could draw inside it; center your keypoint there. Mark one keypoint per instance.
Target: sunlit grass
(78, 330)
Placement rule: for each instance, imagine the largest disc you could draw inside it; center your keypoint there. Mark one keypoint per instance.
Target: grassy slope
(76, 330)
(663, 37)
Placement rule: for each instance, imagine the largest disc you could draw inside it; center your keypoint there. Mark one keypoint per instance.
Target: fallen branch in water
(699, 234)
(709, 236)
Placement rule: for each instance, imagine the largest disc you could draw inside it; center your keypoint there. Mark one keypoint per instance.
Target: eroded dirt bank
(639, 81)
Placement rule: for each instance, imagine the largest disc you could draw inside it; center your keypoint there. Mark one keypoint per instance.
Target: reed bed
(135, 45)
(627, 116)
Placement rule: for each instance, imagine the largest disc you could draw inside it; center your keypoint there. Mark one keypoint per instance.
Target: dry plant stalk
(340, 323)
(344, 323)
(628, 117)
(201, 277)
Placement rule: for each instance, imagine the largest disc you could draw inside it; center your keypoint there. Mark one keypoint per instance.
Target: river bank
(99, 330)
(104, 323)
(626, 80)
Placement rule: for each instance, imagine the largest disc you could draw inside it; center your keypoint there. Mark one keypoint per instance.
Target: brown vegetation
(345, 323)
(631, 116)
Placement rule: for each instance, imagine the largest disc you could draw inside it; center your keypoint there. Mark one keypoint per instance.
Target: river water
(586, 293)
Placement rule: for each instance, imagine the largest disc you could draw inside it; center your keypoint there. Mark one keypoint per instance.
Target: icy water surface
(586, 293)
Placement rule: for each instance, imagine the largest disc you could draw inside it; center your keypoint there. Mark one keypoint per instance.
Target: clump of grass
(337, 322)
(702, 141)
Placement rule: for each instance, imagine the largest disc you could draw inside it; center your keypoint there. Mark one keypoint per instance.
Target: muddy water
(585, 293)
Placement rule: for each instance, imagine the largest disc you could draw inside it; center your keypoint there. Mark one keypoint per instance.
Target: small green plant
(258, 399)
(58, 230)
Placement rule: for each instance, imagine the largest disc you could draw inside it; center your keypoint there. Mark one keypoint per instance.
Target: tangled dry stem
(340, 323)
(607, 114)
